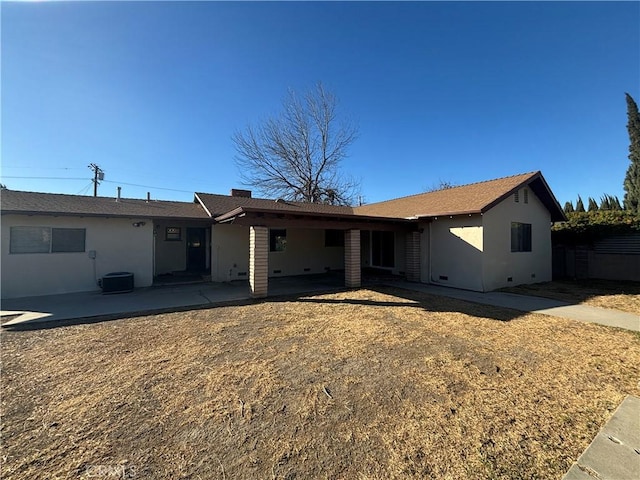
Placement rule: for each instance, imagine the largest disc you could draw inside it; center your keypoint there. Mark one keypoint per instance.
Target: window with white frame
(46, 240)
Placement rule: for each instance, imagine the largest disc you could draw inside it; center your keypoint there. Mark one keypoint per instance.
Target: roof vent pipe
(119, 190)
(148, 197)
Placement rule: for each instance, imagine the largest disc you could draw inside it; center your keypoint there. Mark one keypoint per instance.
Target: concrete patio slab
(57, 308)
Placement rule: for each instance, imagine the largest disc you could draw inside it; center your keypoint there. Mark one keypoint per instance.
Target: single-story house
(479, 237)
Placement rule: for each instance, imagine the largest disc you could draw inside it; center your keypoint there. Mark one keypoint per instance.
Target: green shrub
(587, 227)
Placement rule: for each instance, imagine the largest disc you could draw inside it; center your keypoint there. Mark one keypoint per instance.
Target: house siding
(229, 253)
(500, 263)
(457, 251)
(119, 246)
(171, 255)
(305, 254)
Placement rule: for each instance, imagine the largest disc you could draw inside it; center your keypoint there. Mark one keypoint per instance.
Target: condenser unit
(117, 282)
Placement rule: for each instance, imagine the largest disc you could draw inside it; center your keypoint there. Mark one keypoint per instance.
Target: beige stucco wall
(305, 250)
(522, 267)
(229, 253)
(305, 254)
(118, 245)
(171, 255)
(456, 252)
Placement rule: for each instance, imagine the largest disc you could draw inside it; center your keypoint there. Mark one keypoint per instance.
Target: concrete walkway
(168, 298)
(525, 303)
(615, 452)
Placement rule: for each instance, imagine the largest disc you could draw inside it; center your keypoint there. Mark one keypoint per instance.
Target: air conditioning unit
(117, 282)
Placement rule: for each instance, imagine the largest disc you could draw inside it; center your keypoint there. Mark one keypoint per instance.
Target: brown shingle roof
(218, 205)
(473, 198)
(465, 199)
(12, 201)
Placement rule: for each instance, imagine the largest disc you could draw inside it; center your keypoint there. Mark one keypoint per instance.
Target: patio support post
(412, 257)
(258, 261)
(352, 277)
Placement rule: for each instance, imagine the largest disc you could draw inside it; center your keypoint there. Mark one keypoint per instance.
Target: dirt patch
(616, 295)
(360, 384)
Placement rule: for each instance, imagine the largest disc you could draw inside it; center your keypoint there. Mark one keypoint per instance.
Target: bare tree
(441, 185)
(296, 155)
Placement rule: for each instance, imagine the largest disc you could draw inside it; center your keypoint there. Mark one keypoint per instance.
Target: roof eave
(100, 215)
(244, 210)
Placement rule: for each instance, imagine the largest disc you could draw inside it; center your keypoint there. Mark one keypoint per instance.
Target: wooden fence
(612, 258)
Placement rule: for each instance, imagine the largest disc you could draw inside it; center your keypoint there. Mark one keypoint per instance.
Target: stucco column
(352, 277)
(258, 261)
(412, 254)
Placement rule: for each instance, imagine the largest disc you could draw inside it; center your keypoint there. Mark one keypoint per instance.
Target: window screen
(67, 239)
(46, 240)
(29, 240)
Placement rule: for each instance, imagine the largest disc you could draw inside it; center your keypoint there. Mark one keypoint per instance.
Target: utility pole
(98, 175)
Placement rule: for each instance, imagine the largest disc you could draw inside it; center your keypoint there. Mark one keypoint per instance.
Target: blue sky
(441, 91)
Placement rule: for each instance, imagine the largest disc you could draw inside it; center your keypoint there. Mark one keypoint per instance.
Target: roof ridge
(452, 188)
(100, 197)
(291, 202)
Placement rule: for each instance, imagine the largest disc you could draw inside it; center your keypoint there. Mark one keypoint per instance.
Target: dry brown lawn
(616, 295)
(355, 385)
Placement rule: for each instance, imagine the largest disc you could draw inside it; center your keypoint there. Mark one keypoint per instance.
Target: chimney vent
(119, 191)
(236, 192)
(148, 197)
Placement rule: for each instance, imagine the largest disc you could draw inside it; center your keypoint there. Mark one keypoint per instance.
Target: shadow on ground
(577, 291)
(309, 293)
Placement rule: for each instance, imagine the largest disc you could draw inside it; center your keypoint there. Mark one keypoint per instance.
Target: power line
(148, 186)
(85, 189)
(107, 181)
(28, 167)
(43, 178)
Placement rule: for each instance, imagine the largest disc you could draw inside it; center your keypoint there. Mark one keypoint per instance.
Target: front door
(196, 249)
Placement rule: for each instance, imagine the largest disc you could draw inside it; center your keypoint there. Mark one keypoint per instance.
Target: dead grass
(355, 385)
(616, 295)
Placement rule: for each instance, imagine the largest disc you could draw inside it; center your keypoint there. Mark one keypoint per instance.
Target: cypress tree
(615, 203)
(593, 205)
(579, 205)
(605, 202)
(568, 207)
(632, 179)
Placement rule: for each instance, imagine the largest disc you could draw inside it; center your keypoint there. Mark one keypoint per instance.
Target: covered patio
(267, 229)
